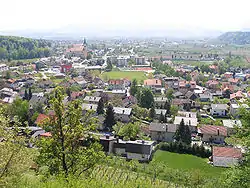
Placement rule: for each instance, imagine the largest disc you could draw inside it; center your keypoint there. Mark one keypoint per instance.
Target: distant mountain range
(239, 37)
(78, 32)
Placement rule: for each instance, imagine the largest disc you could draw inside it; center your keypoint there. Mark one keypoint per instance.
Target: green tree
(30, 93)
(109, 65)
(109, 121)
(152, 112)
(133, 88)
(8, 75)
(145, 98)
(20, 109)
(167, 106)
(169, 94)
(15, 157)
(183, 133)
(26, 95)
(100, 107)
(130, 131)
(161, 118)
(63, 152)
(174, 110)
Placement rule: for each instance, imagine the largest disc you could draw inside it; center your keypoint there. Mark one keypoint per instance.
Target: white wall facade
(225, 161)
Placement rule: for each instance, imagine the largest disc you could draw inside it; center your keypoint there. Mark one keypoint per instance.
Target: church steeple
(84, 42)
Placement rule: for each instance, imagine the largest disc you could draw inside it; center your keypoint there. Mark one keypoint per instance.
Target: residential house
(153, 83)
(236, 96)
(140, 149)
(178, 95)
(87, 107)
(37, 98)
(3, 67)
(140, 60)
(160, 101)
(187, 114)
(158, 112)
(7, 95)
(162, 131)
(119, 93)
(41, 118)
(231, 125)
(191, 95)
(182, 103)
(206, 97)
(187, 84)
(212, 134)
(226, 156)
(66, 68)
(123, 114)
(228, 74)
(219, 110)
(92, 99)
(234, 108)
(233, 81)
(171, 82)
(122, 61)
(212, 84)
(192, 122)
(117, 84)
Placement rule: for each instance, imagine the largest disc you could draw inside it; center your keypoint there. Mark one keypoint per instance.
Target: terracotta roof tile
(41, 118)
(213, 130)
(226, 152)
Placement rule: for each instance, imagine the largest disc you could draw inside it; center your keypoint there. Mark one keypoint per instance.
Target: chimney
(143, 142)
(107, 136)
(156, 81)
(90, 107)
(218, 131)
(117, 140)
(189, 122)
(189, 115)
(123, 111)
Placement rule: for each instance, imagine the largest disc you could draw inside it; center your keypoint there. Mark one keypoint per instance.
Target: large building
(77, 50)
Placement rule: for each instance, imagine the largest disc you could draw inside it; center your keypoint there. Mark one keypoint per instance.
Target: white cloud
(50, 14)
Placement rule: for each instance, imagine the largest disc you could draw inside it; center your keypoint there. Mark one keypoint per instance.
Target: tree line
(23, 48)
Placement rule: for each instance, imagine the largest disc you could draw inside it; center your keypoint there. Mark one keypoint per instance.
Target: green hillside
(12, 47)
(239, 38)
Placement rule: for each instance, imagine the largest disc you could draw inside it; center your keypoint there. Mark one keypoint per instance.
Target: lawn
(124, 74)
(187, 162)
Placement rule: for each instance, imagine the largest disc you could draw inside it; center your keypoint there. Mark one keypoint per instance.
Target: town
(146, 107)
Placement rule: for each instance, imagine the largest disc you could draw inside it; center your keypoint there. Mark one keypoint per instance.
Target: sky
(223, 15)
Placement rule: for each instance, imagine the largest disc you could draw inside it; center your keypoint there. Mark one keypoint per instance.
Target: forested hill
(12, 47)
(240, 38)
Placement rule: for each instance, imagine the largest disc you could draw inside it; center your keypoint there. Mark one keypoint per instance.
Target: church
(78, 50)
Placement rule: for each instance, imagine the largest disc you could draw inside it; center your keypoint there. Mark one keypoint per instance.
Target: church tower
(85, 50)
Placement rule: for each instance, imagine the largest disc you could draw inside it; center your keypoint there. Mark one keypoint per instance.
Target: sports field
(125, 74)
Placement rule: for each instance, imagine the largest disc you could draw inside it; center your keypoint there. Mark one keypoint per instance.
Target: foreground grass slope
(187, 162)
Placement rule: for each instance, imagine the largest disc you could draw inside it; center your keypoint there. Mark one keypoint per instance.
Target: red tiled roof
(213, 130)
(152, 82)
(116, 82)
(226, 152)
(212, 82)
(144, 68)
(233, 80)
(238, 94)
(47, 134)
(76, 48)
(40, 119)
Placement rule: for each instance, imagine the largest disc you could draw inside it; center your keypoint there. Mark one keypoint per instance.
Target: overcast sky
(53, 14)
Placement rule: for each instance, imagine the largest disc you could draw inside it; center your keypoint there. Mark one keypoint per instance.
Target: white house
(87, 107)
(122, 114)
(3, 67)
(191, 122)
(92, 99)
(226, 156)
(212, 134)
(234, 108)
(231, 124)
(219, 109)
(162, 131)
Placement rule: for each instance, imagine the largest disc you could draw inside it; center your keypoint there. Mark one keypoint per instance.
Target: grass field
(187, 162)
(124, 74)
